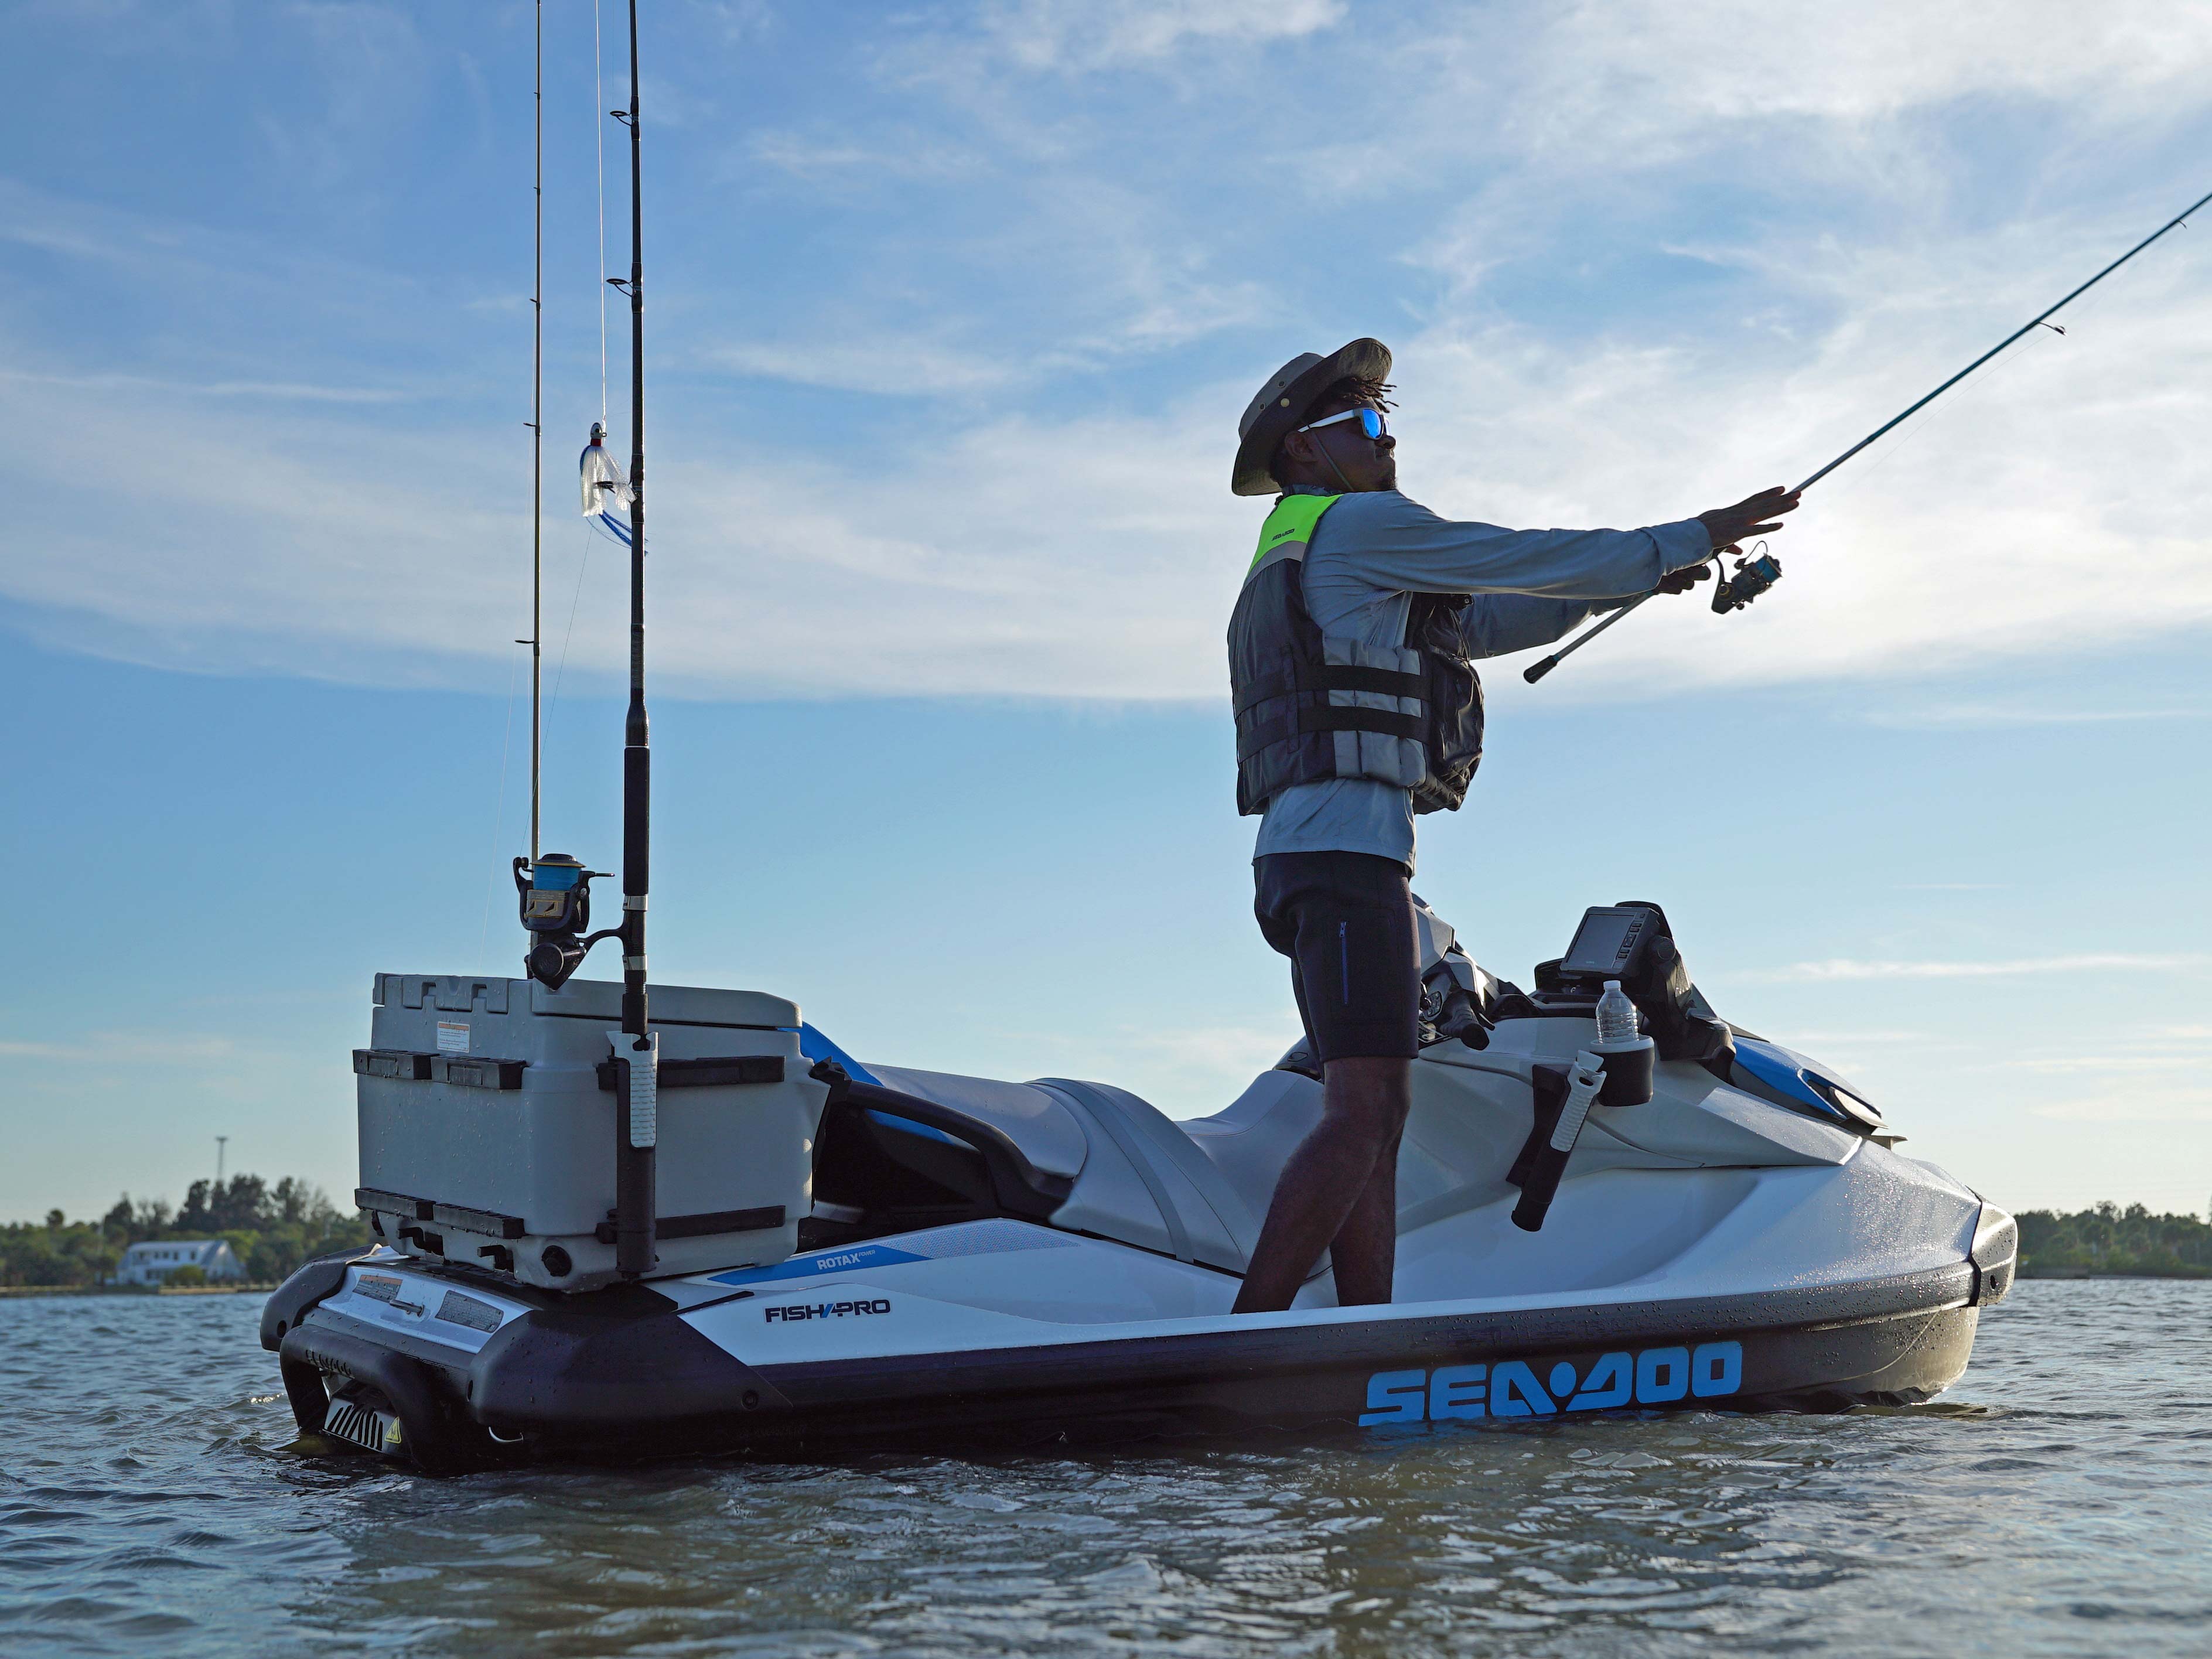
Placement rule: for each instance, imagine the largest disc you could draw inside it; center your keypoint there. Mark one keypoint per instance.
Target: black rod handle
(1541, 1182)
(1537, 671)
(636, 1119)
(1538, 1190)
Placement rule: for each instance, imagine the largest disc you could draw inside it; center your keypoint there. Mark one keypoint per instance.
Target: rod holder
(637, 1134)
(1541, 1181)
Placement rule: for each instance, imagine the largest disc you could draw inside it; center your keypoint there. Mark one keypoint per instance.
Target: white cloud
(2133, 1105)
(2176, 1052)
(274, 390)
(1886, 1038)
(368, 62)
(1094, 34)
(1096, 556)
(740, 20)
(1970, 716)
(1060, 547)
(886, 366)
(1624, 87)
(1998, 532)
(172, 30)
(1671, 63)
(208, 552)
(837, 155)
(663, 103)
(1845, 967)
(96, 1049)
(2067, 1064)
(1024, 561)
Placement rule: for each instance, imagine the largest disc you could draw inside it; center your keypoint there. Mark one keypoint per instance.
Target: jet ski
(861, 1254)
(629, 1220)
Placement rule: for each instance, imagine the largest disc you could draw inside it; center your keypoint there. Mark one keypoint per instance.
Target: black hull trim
(1902, 1359)
(620, 1375)
(1208, 1358)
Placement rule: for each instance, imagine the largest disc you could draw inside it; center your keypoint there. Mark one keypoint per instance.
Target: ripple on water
(2057, 1504)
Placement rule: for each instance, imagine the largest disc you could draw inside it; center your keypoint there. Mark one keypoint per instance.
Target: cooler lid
(667, 1005)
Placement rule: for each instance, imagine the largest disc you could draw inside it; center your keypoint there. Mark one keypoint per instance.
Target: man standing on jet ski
(1351, 659)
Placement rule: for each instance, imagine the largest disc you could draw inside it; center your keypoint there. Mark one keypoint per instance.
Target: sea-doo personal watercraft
(867, 1253)
(626, 1220)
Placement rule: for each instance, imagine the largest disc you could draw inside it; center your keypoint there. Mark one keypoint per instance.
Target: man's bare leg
(1364, 1252)
(1336, 1192)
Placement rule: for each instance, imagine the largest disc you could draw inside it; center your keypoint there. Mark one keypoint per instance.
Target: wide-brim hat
(1283, 402)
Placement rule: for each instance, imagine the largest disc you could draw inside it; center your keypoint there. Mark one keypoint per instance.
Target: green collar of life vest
(1292, 520)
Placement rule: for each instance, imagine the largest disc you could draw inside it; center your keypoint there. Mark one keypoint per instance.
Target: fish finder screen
(1605, 940)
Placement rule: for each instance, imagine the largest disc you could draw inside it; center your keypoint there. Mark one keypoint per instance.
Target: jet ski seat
(1132, 1173)
(1093, 1158)
(1250, 1140)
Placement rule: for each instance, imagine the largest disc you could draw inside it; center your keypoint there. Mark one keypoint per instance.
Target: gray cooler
(487, 1126)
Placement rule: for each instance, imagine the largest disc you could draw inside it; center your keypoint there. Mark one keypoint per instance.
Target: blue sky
(952, 311)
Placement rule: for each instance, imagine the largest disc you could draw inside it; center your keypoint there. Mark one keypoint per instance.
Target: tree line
(271, 1228)
(2111, 1240)
(274, 1227)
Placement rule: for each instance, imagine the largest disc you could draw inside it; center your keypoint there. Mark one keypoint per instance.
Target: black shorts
(1346, 921)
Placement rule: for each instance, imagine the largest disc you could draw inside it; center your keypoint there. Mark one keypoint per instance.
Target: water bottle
(1627, 1053)
(1616, 1017)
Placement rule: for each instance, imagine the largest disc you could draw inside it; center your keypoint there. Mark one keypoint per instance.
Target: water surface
(2058, 1501)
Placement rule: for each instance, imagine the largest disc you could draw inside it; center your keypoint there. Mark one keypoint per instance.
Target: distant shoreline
(10, 1292)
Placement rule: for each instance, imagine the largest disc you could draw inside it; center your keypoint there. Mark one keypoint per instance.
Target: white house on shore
(152, 1263)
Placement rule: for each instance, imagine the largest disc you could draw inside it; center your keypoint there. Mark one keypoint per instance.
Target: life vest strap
(1254, 735)
(1344, 677)
(1301, 677)
(1382, 721)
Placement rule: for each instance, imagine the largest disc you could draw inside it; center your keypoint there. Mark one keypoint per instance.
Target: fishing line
(499, 811)
(1765, 578)
(562, 667)
(2087, 314)
(599, 131)
(584, 562)
(2092, 308)
(1906, 433)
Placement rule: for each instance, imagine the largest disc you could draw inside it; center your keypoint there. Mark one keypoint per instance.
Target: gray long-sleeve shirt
(1374, 549)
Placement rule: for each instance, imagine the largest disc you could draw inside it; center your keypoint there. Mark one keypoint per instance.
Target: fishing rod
(554, 888)
(537, 450)
(1755, 575)
(636, 1096)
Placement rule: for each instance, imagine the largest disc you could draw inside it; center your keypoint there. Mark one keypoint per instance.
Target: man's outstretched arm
(1385, 540)
(1497, 624)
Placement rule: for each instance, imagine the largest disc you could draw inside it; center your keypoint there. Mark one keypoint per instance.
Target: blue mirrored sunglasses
(1370, 422)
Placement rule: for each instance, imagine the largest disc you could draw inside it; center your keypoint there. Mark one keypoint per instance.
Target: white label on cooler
(644, 1086)
(453, 1036)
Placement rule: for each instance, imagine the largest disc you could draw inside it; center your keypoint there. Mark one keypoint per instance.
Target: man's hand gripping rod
(1536, 672)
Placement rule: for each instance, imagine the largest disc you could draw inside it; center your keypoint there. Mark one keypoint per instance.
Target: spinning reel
(556, 909)
(1754, 576)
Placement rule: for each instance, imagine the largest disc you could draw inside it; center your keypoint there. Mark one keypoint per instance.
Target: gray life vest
(1311, 706)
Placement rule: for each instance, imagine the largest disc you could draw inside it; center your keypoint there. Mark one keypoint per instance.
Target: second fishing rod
(1756, 574)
